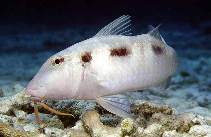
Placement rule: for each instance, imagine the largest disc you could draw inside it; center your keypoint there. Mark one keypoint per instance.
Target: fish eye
(58, 61)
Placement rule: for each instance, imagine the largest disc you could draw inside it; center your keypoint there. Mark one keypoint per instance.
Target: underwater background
(31, 31)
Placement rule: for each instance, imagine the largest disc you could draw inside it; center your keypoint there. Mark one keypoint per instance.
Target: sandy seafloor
(23, 50)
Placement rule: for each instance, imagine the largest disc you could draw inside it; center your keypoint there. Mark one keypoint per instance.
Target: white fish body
(106, 64)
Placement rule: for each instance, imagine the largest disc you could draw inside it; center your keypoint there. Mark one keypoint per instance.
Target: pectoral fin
(116, 104)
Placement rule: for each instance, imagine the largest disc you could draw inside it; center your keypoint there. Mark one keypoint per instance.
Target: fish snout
(34, 91)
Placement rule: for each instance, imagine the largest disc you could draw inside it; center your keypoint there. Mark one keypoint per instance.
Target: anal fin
(116, 104)
(162, 86)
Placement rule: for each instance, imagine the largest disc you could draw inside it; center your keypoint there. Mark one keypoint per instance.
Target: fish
(105, 66)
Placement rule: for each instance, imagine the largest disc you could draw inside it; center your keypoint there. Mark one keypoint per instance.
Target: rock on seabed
(152, 120)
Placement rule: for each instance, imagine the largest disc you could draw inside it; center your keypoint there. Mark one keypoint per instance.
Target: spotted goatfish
(109, 63)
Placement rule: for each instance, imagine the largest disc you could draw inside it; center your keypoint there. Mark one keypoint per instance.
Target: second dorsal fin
(154, 32)
(120, 26)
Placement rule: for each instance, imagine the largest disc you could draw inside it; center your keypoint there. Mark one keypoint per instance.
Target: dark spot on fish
(119, 52)
(157, 49)
(86, 57)
(58, 60)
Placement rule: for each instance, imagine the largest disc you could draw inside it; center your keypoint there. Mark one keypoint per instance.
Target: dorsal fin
(154, 32)
(150, 28)
(120, 26)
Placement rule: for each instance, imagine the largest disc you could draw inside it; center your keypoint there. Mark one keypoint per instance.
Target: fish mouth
(36, 99)
(29, 93)
(36, 94)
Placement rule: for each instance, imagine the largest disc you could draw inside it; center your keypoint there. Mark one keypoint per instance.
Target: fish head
(54, 80)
